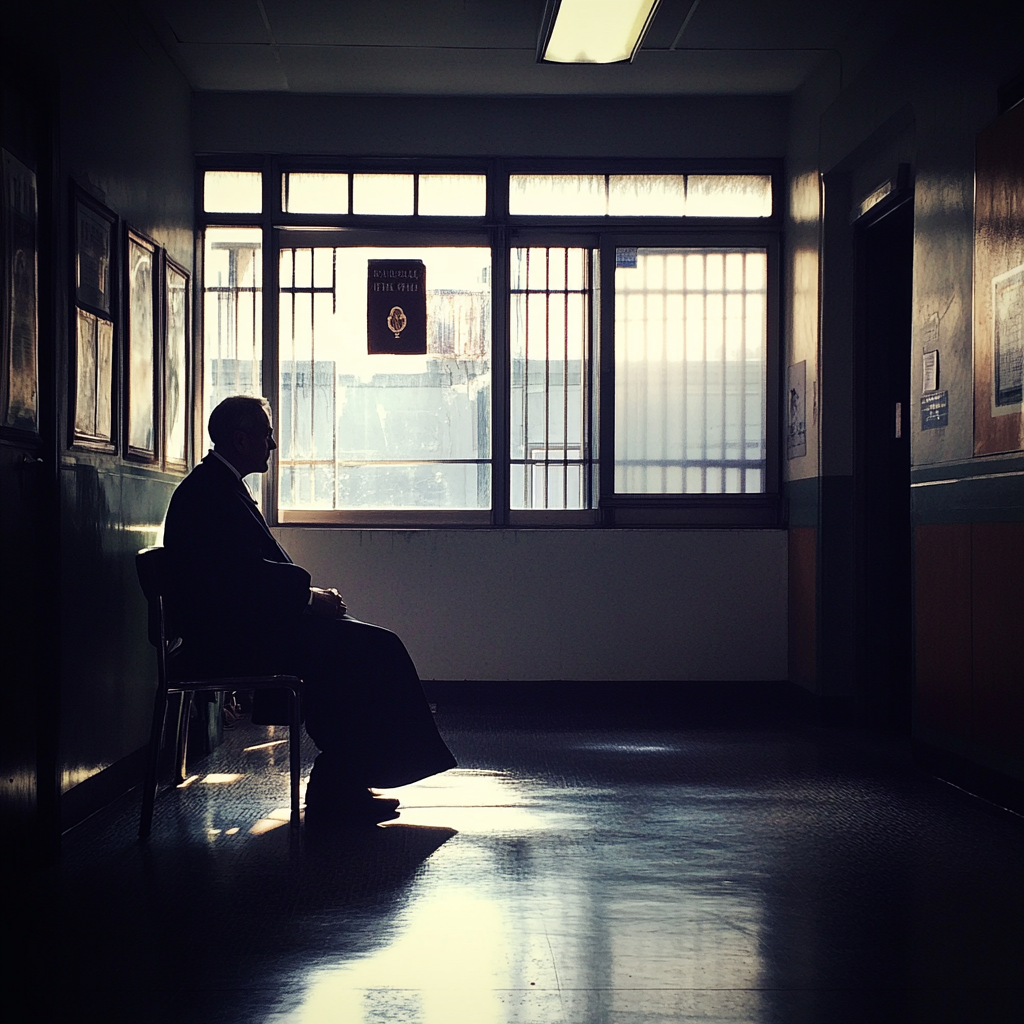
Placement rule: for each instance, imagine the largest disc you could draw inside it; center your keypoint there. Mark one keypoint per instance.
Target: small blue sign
(934, 410)
(626, 258)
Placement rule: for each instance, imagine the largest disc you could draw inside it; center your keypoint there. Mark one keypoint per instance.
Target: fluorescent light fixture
(594, 31)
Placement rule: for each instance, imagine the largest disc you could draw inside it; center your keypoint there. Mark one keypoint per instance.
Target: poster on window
(999, 286)
(796, 431)
(396, 307)
(19, 370)
(141, 412)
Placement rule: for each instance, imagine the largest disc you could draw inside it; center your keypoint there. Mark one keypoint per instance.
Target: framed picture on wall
(140, 426)
(177, 364)
(19, 346)
(94, 364)
(999, 286)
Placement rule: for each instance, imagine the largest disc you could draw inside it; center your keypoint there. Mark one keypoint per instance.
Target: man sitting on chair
(241, 606)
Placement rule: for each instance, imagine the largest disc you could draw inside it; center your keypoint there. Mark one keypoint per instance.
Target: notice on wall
(935, 410)
(930, 371)
(1008, 341)
(396, 307)
(796, 431)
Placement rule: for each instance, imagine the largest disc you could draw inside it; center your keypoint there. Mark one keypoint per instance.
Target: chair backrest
(150, 567)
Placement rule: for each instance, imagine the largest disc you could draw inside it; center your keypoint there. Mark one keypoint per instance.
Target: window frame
(503, 233)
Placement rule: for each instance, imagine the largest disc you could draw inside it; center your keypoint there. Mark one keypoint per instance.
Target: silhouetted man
(241, 605)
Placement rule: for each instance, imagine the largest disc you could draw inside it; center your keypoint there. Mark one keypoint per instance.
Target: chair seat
(149, 564)
(217, 683)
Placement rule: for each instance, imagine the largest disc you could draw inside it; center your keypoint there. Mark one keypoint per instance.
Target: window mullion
(268, 289)
(501, 377)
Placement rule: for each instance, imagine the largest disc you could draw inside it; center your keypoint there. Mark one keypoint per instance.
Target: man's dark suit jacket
(232, 591)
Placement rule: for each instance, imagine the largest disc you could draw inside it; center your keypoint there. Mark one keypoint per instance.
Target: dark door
(884, 244)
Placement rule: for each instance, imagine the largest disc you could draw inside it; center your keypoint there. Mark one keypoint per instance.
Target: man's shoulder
(208, 482)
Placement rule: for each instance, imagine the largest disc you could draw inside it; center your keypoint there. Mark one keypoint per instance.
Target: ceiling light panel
(598, 31)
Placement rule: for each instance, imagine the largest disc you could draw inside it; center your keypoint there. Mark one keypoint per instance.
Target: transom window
(497, 346)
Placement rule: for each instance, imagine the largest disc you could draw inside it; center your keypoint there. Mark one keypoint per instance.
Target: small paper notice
(930, 380)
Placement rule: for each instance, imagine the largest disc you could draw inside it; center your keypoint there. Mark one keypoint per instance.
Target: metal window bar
(728, 458)
(288, 462)
(545, 452)
(227, 377)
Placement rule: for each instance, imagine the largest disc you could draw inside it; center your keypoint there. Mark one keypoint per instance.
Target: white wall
(565, 604)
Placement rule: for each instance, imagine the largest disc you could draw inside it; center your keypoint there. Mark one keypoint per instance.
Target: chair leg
(184, 718)
(156, 731)
(294, 751)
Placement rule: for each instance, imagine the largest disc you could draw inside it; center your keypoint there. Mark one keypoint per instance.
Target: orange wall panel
(998, 588)
(942, 604)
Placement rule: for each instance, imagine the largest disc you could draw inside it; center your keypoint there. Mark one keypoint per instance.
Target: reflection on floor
(566, 872)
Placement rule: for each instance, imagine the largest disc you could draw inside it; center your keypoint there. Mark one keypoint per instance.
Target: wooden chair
(150, 566)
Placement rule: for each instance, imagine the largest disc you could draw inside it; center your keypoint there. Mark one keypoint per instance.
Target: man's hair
(239, 412)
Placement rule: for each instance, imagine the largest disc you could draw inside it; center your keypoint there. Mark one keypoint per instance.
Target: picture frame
(19, 344)
(142, 272)
(94, 335)
(177, 364)
(999, 286)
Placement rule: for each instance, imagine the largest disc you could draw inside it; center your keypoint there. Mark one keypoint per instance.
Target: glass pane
(177, 355)
(233, 192)
(390, 194)
(728, 195)
(360, 431)
(141, 427)
(690, 345)
(550, 353)
(557, 195)
(85, 365)
(646, 195)
(303, 192)
(453, 195)
(232, 315)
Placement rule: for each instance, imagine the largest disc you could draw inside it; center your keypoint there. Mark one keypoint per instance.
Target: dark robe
(239, 604)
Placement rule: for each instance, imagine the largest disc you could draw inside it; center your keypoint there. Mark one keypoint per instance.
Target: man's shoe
(353, 810)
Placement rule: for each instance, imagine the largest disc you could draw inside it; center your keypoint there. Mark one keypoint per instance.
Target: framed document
(19, 345)
(176, 364)
(93, 354)
(999, 286)
(796, 427)
(140, 389)
(94, 376)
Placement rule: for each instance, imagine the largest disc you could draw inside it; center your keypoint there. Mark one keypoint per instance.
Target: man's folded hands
(325, 604)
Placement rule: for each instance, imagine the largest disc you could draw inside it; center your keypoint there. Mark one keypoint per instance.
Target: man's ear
(239, 441)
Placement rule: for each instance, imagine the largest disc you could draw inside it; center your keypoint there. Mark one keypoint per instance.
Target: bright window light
(557, 195)
(303, 192)
(646, 195)
(728, 195)
(382, 194)
(453, 195)
(233, 192)
(598, 31)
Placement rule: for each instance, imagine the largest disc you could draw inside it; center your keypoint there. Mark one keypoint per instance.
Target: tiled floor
(566, 872)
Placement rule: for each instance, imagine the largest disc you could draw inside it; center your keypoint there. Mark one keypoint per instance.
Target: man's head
(241, 432)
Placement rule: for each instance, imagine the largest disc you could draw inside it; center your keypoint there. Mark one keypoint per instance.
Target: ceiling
(488, 47)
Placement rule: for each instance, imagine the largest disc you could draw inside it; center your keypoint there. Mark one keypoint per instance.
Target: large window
(383, 431)
(554, 347)
(690, 348)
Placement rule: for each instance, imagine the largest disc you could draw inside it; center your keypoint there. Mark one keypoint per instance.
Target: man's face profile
(252, 448)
